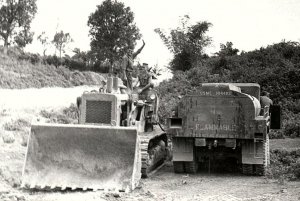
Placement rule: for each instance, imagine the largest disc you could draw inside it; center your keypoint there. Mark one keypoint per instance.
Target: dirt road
(52, 98)
(163, 185)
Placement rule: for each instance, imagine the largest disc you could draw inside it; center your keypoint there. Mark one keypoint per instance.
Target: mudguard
(82, 157)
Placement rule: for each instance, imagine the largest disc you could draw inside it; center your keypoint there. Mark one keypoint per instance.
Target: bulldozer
(117, 141)
(222, 124)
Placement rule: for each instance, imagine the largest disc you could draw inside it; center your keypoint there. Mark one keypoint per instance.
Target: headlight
(152, 96)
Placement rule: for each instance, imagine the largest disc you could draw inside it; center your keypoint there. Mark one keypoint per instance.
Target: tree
(187, 43)
(45, 42)
(112, 30)
(227, 50)
(224, 54)
(60, 41)
(15, 20)
(155, 71)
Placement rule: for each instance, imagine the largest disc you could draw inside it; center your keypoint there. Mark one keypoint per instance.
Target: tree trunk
(5, 50)
(60, 63)
(5, 46)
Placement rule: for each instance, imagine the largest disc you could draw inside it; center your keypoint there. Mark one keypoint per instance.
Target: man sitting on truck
(265, 101)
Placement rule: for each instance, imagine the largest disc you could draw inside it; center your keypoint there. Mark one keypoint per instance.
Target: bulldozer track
(67, 188)
(153, 154)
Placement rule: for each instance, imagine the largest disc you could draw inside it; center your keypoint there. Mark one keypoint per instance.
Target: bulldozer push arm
(82, 157)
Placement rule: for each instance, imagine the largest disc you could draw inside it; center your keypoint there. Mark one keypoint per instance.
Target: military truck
(222, 120)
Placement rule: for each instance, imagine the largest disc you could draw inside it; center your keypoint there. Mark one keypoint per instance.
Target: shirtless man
(145, 81)
(127, 66)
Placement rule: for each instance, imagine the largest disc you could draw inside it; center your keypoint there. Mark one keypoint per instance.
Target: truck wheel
(191, 167)
(178, 167)
(259, 170)
(247, 169)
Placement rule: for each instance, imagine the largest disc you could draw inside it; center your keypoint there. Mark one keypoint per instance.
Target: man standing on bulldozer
(145, 81)
(127, 66)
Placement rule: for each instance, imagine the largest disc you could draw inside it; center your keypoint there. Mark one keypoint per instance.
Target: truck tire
(191, 167)
(178, 167)
(247, 169)
(259, 169)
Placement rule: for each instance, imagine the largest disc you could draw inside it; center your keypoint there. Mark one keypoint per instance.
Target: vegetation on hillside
(22, 70)
(112, 29)
(276, 68)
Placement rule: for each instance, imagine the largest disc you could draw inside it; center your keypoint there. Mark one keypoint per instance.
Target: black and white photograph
(138, 100)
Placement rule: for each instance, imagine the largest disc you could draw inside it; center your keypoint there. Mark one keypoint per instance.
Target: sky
(248, 24)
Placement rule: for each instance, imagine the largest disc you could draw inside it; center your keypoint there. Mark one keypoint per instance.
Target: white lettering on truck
(210, 127)
(217, 93)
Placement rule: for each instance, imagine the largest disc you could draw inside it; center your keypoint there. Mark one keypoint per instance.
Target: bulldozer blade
(84, 157)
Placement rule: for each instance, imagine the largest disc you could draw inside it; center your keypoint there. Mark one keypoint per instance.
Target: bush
(285, 164)
(76, 64)
(71, 112)
(52, 60)
(32, 58)
(292, 128)
(169, 92)
(13, 51)
(16, 125)
(291, 124)
(66, 116)
(8, 137)
(276, 134)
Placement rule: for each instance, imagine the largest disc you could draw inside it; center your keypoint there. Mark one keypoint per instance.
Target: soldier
(115, 69)
(127, 66)
(103, 87)
(265, 100)
(145, 81)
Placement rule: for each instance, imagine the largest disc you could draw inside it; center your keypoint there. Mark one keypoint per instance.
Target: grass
(287, 144)
(285, 159)
(285, 165)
